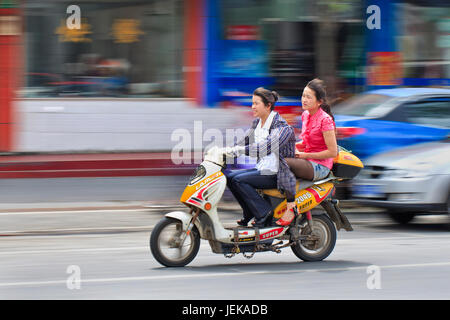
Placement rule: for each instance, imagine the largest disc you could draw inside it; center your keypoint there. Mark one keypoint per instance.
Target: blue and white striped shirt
(281, 141)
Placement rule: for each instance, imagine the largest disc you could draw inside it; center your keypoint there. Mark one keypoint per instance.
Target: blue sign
(243, 58)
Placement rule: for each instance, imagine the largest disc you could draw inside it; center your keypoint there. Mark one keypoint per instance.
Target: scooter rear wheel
(165, 243)
(316, 250)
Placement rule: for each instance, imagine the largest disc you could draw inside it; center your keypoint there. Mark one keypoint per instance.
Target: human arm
(331, 151)
(239, 146)
(245, 140)
(277, 138)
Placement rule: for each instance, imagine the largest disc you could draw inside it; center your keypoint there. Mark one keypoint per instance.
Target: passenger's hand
(301, 155)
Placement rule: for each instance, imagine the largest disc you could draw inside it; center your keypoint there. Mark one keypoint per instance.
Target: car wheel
(448, 204)
(402, 217)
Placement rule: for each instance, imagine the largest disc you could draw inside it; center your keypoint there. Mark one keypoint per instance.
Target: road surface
(104, 254)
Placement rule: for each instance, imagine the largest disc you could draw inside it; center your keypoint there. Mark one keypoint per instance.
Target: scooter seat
(300, 185)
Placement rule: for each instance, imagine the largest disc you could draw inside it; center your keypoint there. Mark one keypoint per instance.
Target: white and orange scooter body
(205, 191)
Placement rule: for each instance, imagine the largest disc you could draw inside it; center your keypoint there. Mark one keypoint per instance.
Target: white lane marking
(73, 250)
(97, 229)
(218, 274)
(400, 237)
(71, 211)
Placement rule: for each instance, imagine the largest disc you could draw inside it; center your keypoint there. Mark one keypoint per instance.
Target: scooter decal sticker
(270, 234)
(246, 239)
(207, 180)
(200, 193)
(196, 199)
(306, 199)
(194, 202)
(304, 205)
(320, 192)
(190, 190)
(279, 211)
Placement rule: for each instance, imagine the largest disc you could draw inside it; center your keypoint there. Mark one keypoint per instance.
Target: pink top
(312, 128)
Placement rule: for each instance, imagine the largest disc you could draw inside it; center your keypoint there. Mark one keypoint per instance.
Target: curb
(92, 165)
(65, 232)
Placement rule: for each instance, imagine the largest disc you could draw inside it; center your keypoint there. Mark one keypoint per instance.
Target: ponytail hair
(268, 97)
(326, 107)
(319, 88)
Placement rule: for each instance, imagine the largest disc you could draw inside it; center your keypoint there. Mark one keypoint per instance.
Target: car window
(432, 111)
(362, 105)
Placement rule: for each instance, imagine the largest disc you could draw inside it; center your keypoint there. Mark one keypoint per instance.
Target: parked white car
(407, 181)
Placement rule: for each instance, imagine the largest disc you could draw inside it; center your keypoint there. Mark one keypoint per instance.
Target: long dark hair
(267, 96)
(318, 86)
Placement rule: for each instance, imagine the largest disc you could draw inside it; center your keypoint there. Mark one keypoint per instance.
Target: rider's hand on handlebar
(235, 151)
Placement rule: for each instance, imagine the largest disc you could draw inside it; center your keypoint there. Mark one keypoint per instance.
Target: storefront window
(119, 49)
(425, 43)
(289, 34)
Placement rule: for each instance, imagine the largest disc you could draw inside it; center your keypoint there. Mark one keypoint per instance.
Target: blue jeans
(320, 171)
(243, 185)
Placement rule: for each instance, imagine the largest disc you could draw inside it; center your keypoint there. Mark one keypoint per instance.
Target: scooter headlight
(198, 175)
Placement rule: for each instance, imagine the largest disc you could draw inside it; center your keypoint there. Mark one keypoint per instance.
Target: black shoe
(243, 222)
(263, 222)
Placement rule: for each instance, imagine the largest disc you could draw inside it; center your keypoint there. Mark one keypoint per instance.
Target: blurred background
(130, 73)
(97, 96)
(217, 52)
(212, 50)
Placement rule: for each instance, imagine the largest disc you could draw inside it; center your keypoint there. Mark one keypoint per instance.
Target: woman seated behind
(319, 146)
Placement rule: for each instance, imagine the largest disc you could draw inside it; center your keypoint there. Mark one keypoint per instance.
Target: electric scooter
(175, 240)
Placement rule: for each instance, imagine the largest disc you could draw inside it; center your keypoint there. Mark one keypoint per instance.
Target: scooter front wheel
(166, 246)
(323, 239)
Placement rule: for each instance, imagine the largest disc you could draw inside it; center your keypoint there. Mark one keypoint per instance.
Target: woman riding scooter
(318, 136)
(271, 140)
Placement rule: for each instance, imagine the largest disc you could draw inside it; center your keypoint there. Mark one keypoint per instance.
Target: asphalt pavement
(88, 238)
(104, 254)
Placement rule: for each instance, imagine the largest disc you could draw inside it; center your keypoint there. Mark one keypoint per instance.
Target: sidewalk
(91, 165)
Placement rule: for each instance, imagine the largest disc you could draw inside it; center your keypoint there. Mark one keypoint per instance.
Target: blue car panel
(407, 92)
(395, 128)
(386, 135)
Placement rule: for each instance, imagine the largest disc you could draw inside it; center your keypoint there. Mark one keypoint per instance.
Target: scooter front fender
(203, 223)
(184, 217)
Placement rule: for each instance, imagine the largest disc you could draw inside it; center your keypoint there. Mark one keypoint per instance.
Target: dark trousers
(243, 185)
